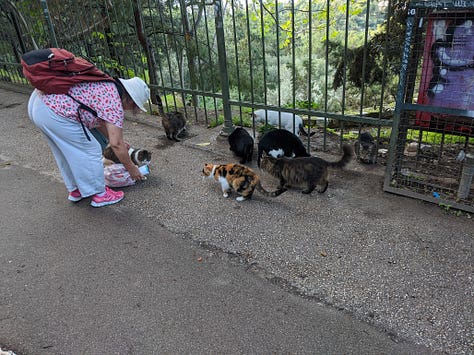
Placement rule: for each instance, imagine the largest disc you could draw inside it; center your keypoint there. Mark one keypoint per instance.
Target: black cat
(241, 143)
(278, 143)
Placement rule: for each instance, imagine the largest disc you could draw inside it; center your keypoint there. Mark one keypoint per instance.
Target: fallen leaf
(323, 253)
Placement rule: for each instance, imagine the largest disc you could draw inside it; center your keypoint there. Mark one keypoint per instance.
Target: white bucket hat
(138, 91)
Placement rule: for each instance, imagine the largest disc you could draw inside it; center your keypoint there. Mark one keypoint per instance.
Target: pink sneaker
(75, 196)
(109, 198)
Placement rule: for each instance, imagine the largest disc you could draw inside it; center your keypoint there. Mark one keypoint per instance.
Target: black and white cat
(241, 143)
(138, 156)
(286, 118)
(280, 142)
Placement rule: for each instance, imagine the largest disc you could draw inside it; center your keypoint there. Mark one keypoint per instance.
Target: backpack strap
(121, 90)
(83, 106)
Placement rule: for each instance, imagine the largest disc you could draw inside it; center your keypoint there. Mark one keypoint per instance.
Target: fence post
(54, 41)
(228, 127)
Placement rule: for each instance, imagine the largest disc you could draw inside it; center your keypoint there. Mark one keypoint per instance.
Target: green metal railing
(218, 62)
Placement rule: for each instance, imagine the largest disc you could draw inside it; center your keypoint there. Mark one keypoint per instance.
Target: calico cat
(286, 118)
(366, 149)
(139, 156)
(241, 143)
(280, 142)
(173, 123)
(309, 172)
(238, 178)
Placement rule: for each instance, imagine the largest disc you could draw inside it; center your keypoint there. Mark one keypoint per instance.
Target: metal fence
(335, 63)
(219, 61)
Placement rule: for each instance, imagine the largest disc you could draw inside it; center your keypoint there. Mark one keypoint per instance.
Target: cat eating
(138, 156)
(308, 172)
(280, 142)
(241, 143)
(238, 178)
(286, 118)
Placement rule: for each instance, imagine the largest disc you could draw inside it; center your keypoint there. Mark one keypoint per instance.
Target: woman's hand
(120, 148)
(135, 174)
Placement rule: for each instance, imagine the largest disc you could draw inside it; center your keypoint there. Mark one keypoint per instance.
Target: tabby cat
(139, 156)
(309, 172)
(280, 142)
(366, 149)
(238, 178)
(173, 123)
(241, 143)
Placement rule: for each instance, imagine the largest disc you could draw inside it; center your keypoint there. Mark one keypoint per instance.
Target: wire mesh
(432, 143)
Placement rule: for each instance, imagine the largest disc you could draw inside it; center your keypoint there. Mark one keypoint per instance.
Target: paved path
(297, 265)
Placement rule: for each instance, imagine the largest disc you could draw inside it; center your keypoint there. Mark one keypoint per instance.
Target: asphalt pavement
(177, 268)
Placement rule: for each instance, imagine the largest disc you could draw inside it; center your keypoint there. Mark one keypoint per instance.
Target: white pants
(79, 160)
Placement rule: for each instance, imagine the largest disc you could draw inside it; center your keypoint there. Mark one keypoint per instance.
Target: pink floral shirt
(102, 96)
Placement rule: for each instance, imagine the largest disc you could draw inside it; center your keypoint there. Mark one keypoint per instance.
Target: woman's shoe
(75, 196)
(109, 198)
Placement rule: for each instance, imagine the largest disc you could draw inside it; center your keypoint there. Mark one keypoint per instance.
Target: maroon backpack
(55, 70)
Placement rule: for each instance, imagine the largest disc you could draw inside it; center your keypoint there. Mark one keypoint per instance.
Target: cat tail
(159, 103)
(275, 193)
(346, 158)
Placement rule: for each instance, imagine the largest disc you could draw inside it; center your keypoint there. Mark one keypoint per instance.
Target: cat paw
(240, 198)
(225, 194)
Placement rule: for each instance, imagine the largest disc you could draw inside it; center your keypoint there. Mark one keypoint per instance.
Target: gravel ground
(403, 265)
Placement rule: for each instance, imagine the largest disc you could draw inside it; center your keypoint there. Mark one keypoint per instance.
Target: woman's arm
(120, 148)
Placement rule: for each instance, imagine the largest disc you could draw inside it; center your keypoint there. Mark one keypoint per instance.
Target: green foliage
(449, 209)
(412, 135)
(236, 121)
(265, 128)
(285, 42)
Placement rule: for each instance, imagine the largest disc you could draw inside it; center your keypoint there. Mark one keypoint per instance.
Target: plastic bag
(117, 176)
